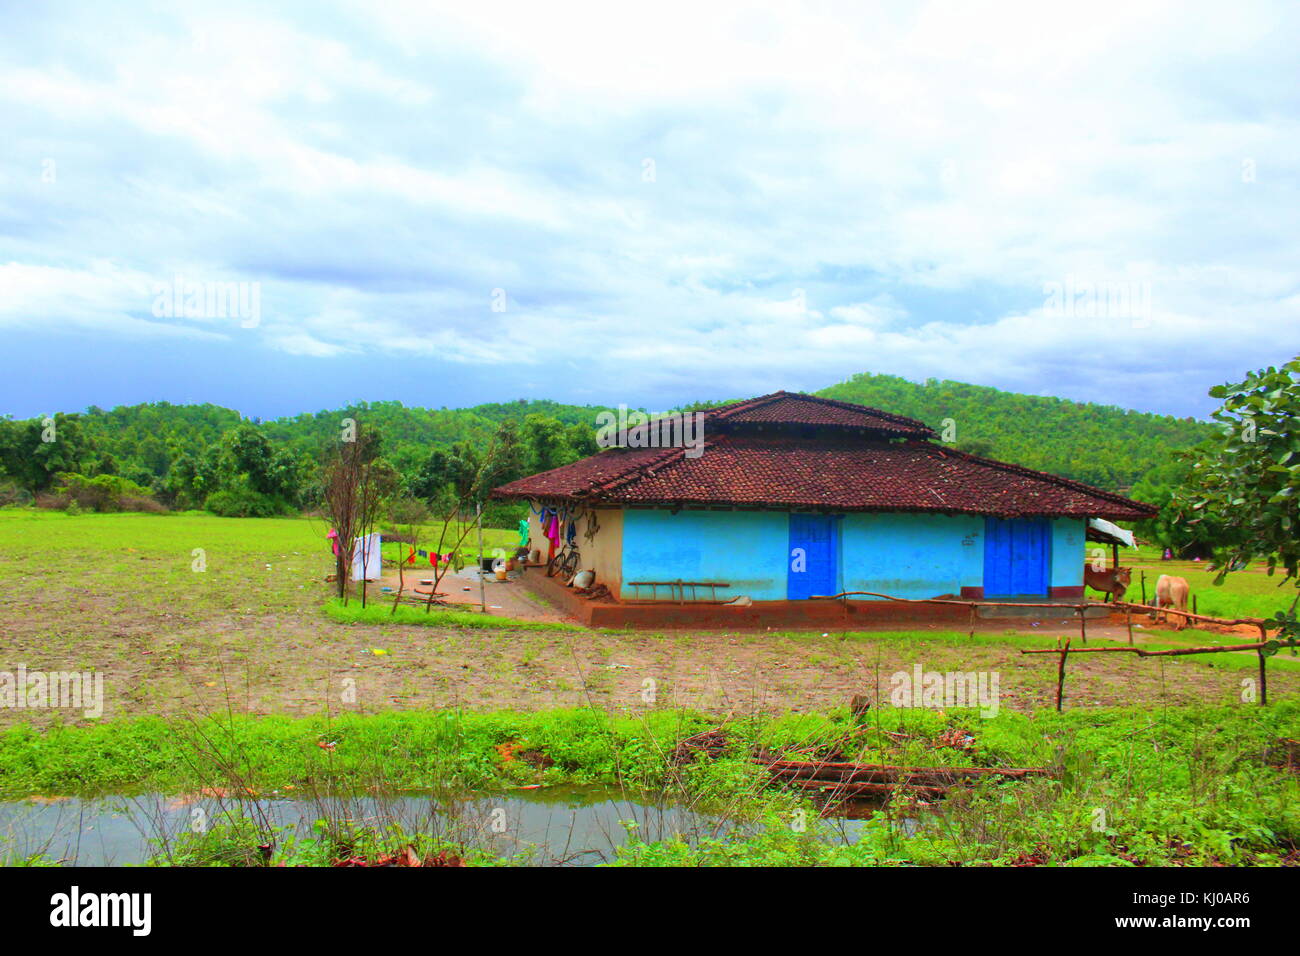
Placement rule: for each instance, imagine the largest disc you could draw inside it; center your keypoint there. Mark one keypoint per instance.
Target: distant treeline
(1102, 445)
(205, 456)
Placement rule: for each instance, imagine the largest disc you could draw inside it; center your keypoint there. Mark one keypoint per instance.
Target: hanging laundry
(367, 558)
(523, 532)
(334, 542)
(552, 532)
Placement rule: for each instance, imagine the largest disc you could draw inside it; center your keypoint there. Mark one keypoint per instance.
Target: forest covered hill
(183, 453)
(1102, 445)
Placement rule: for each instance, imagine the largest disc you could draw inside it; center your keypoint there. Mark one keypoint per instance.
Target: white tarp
(367, 548)
(1113, 531)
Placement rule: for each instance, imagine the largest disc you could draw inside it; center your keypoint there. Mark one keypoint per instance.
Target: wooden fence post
(1263, 679)
(1060, 675)
(1143, 573)
(1263, 673)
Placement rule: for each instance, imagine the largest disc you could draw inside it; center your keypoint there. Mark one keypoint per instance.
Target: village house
(794, 497)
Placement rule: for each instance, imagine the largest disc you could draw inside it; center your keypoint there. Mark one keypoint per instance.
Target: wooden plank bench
(680, 587)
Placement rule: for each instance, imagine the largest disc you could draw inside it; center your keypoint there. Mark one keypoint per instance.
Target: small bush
(12, 494)
(245, 503)
(76, 493)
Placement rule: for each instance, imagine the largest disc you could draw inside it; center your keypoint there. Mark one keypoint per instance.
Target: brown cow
(1172, 592)
(1112, 582)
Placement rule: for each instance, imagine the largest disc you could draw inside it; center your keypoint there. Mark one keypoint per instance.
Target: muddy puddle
(552, 826)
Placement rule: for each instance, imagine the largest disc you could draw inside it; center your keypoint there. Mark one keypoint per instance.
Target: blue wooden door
(813, 558)
(1017, 557)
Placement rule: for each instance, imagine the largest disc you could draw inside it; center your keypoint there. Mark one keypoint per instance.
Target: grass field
(229, 666)
(119, 593)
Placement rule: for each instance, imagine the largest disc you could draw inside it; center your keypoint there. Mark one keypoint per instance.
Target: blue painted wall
(747, 549)
(912, 555)
(906, 555)
(1069, 551)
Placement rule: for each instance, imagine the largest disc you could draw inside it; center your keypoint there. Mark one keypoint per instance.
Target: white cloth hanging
(367, 558)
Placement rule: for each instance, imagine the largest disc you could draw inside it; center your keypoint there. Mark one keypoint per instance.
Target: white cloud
(919, 172)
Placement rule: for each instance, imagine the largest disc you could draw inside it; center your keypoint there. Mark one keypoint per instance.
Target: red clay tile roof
(794, 409)
(835, 474)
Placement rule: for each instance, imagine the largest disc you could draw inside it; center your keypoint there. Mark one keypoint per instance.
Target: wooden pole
(972, 620)
(1128, 614)
(1060, 675)
(1143, 574)
(482, 593)
(1263, 673)
(401, 580)
(1194, 611)
(365, 565)
(1083, 627)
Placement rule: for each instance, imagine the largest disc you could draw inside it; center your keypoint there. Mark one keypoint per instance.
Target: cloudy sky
(642, 203)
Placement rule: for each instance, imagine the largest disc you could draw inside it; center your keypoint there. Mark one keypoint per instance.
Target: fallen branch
(1223, 622)
(1172, 652)
(830, 773)
(867, 789)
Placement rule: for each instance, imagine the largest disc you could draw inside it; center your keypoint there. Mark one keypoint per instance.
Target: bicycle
(565, 561)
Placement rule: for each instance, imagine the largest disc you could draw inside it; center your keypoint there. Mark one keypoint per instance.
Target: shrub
(76, 493)
(243, 502)
(141, 503)
(12, 494)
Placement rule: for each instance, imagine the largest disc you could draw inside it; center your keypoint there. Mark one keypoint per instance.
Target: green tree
(269, 470)
(1246, 480)
(581, 440)
(545, 442)
(447, 469)
(33, 452)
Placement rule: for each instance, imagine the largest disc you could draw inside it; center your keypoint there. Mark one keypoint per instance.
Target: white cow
(1172, 592)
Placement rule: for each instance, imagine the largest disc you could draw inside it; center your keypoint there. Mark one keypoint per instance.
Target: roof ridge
(723, 412)
(854, 406)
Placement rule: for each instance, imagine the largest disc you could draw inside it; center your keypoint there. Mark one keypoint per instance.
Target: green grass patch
(1193, 785)
(381, 611)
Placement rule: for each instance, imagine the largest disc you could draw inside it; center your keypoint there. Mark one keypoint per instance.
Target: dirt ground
(248, 634)
(508, 599)
(165, 662)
